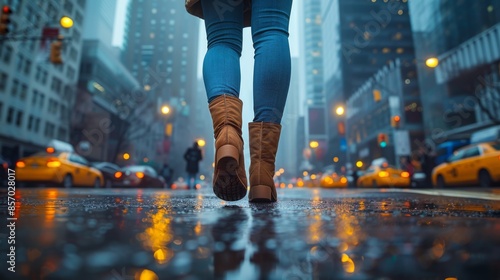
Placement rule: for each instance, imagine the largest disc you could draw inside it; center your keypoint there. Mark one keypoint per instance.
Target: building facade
(362, 37)
(102, 118)
(161, 51)
(288, 155)
(464, 36)
(36, 96)
(312, 62)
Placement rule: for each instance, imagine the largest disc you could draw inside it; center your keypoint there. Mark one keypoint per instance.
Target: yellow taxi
(58, 166)
(473, 164)
(384, 176)
(333, 180)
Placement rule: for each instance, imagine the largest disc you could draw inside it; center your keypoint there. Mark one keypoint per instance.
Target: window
(19, 118)
(10, 115)
(49, 129)
(78, 18)
(7, 54)
(20, 62)
(38, 74)
(27, 66)
(30, 122)
(42, 100)
(56, 85)
(78, 159)
(34, 98)
(37, 124)
(472, 152)
(3, 81)
(24, 91)
(68, 6)
(456, 156)
(15, 87)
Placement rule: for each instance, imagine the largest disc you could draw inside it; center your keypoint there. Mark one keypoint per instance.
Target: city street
(310, 233)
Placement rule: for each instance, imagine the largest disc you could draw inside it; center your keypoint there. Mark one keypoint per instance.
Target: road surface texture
(309, 234)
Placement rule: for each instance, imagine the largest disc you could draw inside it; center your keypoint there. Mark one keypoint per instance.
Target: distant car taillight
(20, 164)
(53, 162)
(139, 175)
(118, 175)
(405, 174)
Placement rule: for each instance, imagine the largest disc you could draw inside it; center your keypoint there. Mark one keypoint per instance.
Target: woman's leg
(271, 81)
(270, 20)
(224, 27)
(221, 72)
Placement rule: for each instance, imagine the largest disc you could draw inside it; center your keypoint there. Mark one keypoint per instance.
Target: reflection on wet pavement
(136, 234)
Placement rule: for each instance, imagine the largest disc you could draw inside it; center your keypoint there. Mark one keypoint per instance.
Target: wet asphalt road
(308, 234)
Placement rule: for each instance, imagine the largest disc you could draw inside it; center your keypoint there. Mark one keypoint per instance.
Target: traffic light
(56, 52)
(382, 140)
(395, 121)
(5, 20)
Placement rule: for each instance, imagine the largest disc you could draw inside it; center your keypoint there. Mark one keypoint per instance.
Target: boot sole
(227, 186)
(261, 193)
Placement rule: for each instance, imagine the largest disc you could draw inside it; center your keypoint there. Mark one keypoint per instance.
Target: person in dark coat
(192, 156)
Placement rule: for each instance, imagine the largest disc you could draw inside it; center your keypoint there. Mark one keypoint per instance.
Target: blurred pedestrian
(427, 160)
(192, 156)
(167, 173)
(406, 165)
(224, 22)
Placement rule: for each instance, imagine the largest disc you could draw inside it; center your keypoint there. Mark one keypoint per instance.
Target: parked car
(384, 176)
(333, 180)
(473, 164)
(108, 170)
(64, 168)
(138, 176)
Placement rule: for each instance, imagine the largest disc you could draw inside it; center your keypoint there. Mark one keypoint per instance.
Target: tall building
(99, 21)
(359, 39)
(288, 156)
(461, 94)
(103, 117)
(36, 96)
(161, 51)
(312, 62)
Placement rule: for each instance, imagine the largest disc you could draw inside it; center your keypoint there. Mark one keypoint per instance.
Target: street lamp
(313, 144)
(432, 62)
(126, 156)
(201, 142)
(340, 110)
(165, 110)
(66, 22)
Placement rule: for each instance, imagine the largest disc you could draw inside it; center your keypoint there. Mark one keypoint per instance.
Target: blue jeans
(191, 181)
(221, 67)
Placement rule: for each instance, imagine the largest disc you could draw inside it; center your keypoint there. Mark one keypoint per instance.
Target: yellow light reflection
(157, 237)
(146, 274)
(438, 249)
(198, 228)
(348, 264)
(163, 255)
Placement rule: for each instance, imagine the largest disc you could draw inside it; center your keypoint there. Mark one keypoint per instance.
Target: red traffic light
(6, 10)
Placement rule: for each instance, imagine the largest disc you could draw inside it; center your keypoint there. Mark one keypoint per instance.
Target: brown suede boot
(230, 180)
(264, 138)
